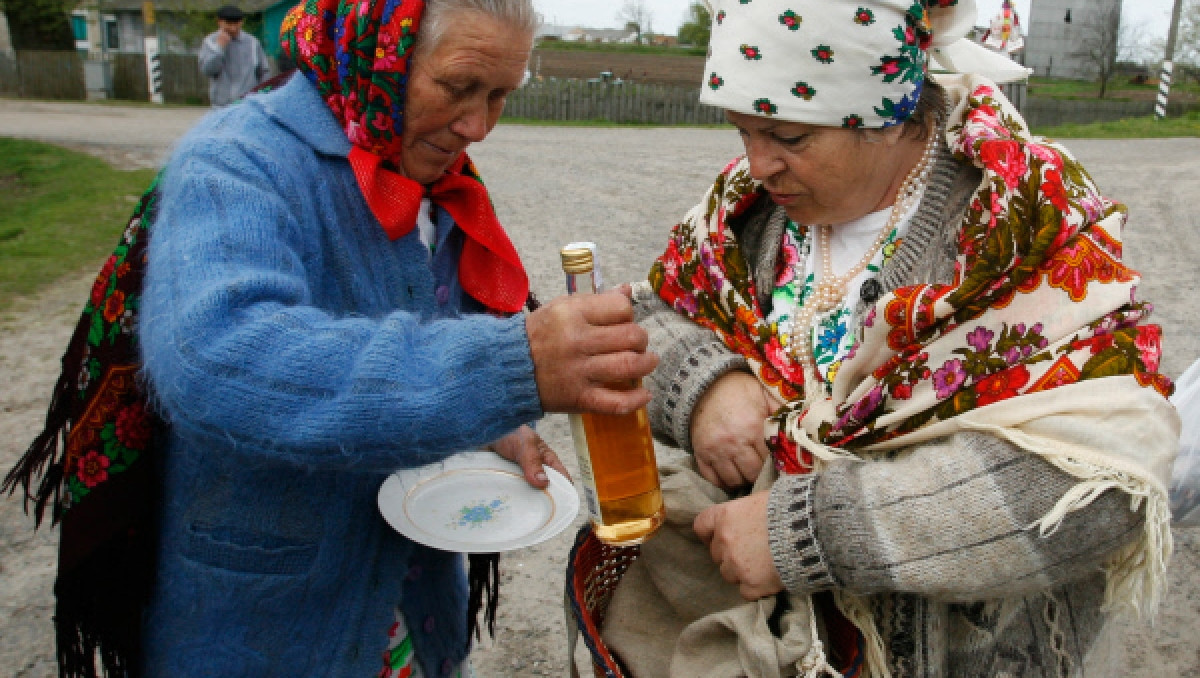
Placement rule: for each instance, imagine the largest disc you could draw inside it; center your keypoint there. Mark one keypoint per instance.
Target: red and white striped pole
(1168, 69)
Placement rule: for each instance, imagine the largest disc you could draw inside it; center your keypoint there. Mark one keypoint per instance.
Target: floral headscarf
(359, 55)
(837, 63)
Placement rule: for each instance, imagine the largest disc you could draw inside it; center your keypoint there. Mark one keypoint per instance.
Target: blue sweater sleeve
(236, 350)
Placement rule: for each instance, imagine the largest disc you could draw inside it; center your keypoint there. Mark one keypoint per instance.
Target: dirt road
(622, 189)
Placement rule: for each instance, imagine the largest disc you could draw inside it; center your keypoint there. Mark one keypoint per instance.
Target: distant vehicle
(606, 78)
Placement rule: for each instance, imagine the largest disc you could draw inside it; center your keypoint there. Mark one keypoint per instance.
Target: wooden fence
(648, 69)
(1041, 112)
(42, 75)
(183, 83)
(60, 75)
(8, 73)
(129, 77)
(616, 103)
(182, 80)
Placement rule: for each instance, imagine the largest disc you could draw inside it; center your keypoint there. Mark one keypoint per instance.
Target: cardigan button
(430, 624)
(871, 291)
(443, 294)
(447, 667)
(414, 573)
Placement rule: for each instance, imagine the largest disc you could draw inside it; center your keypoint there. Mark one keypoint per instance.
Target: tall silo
(1065, 36)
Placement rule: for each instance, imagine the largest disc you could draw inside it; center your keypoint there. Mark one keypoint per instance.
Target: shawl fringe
(857, 610)
(44, 461)
(1136, 575)
(483, 580)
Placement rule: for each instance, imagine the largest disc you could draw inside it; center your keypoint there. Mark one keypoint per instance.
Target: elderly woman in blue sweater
(330, 298)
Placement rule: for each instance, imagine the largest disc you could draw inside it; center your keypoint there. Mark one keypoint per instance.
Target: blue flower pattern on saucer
(479, 514)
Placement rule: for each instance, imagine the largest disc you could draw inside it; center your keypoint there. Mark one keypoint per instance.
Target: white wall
(5, 39)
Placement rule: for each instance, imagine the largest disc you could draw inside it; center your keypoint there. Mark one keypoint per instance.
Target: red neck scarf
(359, 55)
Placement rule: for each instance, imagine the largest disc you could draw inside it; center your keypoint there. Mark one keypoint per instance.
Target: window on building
(112, 36)
(79, 28)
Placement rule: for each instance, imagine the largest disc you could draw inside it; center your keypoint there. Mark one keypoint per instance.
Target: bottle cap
(577, 259)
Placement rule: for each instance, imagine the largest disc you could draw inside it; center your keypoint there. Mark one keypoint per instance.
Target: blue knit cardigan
(299, 356)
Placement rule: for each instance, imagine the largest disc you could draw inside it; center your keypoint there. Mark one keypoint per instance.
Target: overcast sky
(1153, 16)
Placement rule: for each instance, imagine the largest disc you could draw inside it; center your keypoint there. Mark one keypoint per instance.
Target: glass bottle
(617, 467)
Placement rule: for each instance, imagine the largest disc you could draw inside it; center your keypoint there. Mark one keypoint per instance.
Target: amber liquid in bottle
(618, 471)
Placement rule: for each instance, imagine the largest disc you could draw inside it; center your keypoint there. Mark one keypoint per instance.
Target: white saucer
(476, 502)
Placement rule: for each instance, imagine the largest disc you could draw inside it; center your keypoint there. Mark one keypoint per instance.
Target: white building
(580, 34)
(1063, 34)
(5, 38)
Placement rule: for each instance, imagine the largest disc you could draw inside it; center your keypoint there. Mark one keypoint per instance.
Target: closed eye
(456, 91)
(790, 141)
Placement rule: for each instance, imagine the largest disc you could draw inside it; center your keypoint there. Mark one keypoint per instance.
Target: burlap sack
(673, 615)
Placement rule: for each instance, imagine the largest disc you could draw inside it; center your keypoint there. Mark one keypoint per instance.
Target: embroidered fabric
(400, 660)
(831, 335)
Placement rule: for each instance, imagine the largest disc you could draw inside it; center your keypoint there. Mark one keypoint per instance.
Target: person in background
(330, 298)
(233, 60)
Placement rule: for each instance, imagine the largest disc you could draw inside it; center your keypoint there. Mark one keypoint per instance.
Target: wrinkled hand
(583, 348)
(526, 448)
(727, 430)
(736, 534)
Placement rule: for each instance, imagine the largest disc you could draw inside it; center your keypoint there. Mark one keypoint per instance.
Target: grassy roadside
(1119, 89)
(1131, 128)
(63, 212)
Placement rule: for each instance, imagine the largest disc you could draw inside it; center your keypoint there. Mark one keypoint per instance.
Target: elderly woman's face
(823, 175)
(457, 89)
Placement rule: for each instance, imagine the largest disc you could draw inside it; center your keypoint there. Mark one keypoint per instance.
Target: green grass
(1130, 128)
(1119, 89)
(62, 213)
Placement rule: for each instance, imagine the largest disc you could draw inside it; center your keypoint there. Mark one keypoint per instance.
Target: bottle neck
(581, 283)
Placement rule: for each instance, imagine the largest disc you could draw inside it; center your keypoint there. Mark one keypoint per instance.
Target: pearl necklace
(831, 289)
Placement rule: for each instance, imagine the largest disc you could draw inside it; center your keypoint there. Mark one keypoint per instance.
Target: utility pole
(1164, 80)
(153, 60)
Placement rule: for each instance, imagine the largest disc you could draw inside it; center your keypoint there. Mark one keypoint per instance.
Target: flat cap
(230, 13)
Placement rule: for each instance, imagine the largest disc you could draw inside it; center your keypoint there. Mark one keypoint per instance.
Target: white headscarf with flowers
(855, 64)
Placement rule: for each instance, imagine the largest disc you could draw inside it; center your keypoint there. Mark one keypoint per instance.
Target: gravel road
(622, 188)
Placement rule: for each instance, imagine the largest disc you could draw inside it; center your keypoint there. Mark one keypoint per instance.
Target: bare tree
(1187, 45)
(1100, 44)
(636, 17)
(1135, 46)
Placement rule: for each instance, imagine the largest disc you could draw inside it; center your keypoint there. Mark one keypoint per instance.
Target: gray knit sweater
(941, 533)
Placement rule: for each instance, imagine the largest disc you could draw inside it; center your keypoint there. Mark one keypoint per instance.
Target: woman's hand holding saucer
(525, 447)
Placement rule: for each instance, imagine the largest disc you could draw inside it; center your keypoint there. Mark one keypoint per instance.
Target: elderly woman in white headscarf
(927, 308)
